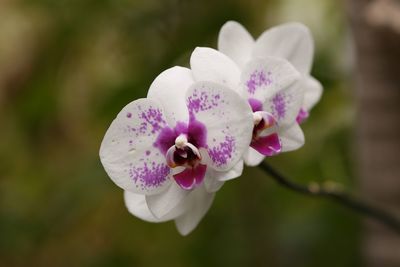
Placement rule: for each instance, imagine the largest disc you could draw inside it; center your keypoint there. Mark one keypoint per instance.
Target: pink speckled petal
(285, 105)
(267, 145)
(292, 41)
(127, 151)
(229, 122)
(197, 204)
(235, 42)
(169, 88)
(191, 177)
(208, 64)
(263, 78)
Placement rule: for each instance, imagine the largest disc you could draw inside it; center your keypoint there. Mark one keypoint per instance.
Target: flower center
(186, 158)
(265, 137)
(183, 153)
(257, 118)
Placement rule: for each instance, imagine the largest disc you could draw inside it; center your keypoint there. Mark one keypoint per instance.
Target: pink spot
(302, 116)
(201, 101)
(221, 153)
(279, 106)
(255, 104)
(258, 79)
(191, 177)
(150, 175)
(153, 117)
(128, 115)
(267, 145)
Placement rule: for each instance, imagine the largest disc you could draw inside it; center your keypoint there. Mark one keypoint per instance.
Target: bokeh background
(68, 67)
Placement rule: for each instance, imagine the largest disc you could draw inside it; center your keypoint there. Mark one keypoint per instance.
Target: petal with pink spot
(128, 153)
(263, 78)
(228, 119)
(169, 88)
(285, 105)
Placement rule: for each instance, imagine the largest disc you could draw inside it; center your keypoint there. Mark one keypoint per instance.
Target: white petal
(211, 183)
(312, 92)
(208, 64)
(228, 119)
(161, 204)
(230, 174)
(137, 206)
(252, 157)
(169, 88)
(292, 41)
(235, 42)
(198, 203)
(292, 137)
(285, 104)
(127, 152)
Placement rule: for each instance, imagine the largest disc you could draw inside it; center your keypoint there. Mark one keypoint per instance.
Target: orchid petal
(197, 204)
(161, 204)
(292, 137)
(211, 184)
(235, 42)
(137, 206)
(285, 105)
(127, 152)
(312, 92)
(261, 79)
(292, 41)
(229, 121)
(169, 89)
(232, 173)
(252, 157)
(209, 64)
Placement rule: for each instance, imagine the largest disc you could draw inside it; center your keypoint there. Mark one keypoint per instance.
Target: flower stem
(337, 195)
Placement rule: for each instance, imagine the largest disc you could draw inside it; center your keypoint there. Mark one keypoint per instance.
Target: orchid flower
(173, 150)
(291, 41)
(271, 88)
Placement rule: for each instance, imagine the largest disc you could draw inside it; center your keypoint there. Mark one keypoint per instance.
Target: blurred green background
(68, 67)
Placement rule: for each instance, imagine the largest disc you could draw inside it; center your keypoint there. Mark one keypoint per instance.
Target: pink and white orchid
(271, 88)
(291, 41)
(173, 150)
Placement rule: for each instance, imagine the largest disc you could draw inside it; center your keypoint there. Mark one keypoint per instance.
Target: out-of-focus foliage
(68, 67)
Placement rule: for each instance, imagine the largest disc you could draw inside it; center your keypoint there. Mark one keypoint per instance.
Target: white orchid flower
(291, 41)
(271, 88)
(173, 150)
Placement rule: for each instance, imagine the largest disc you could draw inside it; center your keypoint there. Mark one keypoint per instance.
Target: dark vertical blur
(68, 67)
(376, 27)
